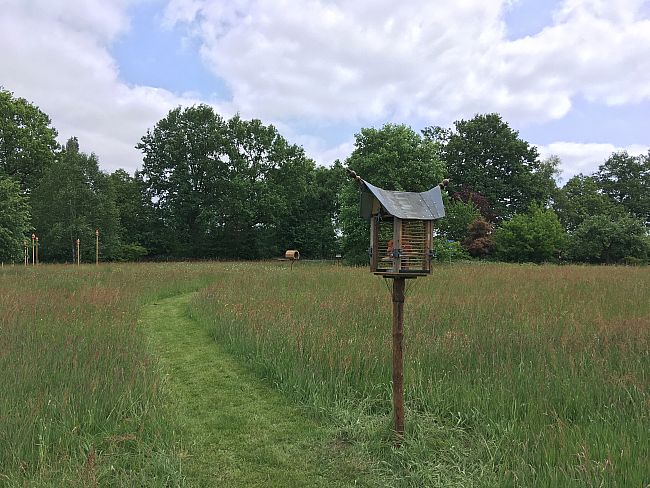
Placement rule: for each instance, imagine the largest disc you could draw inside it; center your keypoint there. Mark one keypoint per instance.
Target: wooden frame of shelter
(401, 240)
(401, 229)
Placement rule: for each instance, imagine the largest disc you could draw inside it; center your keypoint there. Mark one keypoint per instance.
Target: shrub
(537, 236)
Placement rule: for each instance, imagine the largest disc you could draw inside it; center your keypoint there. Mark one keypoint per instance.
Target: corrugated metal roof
(405, 204)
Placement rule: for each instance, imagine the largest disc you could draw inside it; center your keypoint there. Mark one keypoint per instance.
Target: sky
(572, 76)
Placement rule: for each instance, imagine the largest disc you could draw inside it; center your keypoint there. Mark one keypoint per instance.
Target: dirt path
(234, 430)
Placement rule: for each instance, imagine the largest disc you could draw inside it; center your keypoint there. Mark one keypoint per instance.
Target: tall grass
(515, 375)
(80, 398)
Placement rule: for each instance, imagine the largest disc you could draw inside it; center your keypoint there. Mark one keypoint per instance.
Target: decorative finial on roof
(352, 174)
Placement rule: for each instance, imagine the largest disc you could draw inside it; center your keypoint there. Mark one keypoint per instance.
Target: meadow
(81, 398)
(514, 375)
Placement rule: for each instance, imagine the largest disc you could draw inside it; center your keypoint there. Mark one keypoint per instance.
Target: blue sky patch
(152, 55)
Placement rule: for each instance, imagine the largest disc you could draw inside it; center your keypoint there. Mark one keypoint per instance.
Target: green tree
(27, 141)
(72, 200)
(394, 158)
(311, 221)
(458, 217)
(626, 180)
(185, 170)
(14, 219)
(138, 235)
(485, 154)
(581, 198)
(607, 239)
(269, 185)
(536, 236)
(232, 188)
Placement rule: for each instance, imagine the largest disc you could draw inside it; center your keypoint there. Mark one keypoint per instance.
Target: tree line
(217, 188)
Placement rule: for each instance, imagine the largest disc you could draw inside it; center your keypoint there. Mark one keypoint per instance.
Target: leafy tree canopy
(479, 242)
(610, 239)
(626, 180)
(73, 199)
(581, 198)
(484, 153)
(27, 141)
(234, 188)
(459, 215)
(14, 220)
(467, 195)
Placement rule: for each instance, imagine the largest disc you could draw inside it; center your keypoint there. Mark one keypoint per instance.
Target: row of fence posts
(35, 246)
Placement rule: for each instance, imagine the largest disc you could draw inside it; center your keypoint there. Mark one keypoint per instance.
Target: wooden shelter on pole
(401, 247)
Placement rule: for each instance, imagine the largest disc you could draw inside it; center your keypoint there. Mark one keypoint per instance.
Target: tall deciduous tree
(626, 180)
(233, 188)
(14, 219)
(27, 140)
(484, 153)
(185, 170)
(581, 198)
(394, 158)
(72, 200)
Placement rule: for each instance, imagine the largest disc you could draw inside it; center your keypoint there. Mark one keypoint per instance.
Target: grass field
(80, 397)
(515, 375)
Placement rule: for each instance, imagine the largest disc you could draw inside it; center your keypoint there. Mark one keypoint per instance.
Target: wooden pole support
(97, 247)
(398, 357)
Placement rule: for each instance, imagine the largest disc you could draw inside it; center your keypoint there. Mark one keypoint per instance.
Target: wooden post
(36, 249)
(33, 249)
(78, 257)
(397, 243)
(97, 247)
(398, 358)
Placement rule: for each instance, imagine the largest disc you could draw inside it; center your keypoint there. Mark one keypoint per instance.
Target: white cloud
(584, 158)
(370, 60)
(56, 55)
(365, 62)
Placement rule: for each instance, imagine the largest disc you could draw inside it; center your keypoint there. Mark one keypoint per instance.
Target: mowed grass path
(234, 429)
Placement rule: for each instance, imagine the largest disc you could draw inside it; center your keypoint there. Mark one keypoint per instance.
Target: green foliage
(581, 198)
(446, 251)
(14, 220)
(484, 153)
(537, 236)
(27, 141)
(137, 221)
(132, 252)
(626, 180)
(394, 158)
(235, 188)
(458, 217)
(605, 239)
(73, 199)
